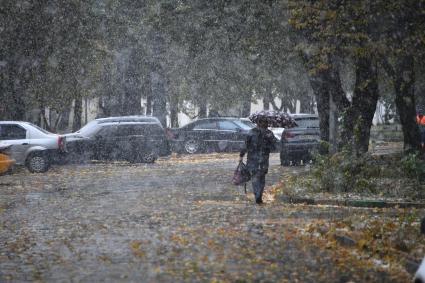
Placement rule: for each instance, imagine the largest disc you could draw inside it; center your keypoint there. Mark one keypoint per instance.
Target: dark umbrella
(274, 118)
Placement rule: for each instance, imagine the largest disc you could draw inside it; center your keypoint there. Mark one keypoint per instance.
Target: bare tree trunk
(147, 93)
(358, 117)
(132, 96)
(159, 101)
(64, 121)
(44, 118)
(78, 109)
(246, 105)
(305, 106)
(322, 98)
(266, 100)
(132, 103)
(405, 102)
(202, 110)
(319, 81)
(174, 110)
(13, 106)
(158, 81)
(149, 105)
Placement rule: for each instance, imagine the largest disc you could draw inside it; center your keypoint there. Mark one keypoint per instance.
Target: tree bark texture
(319, 81)
(78, 110)
(63, 124)
(246, 105)
(202, 113)
(306, 104)
(159, 99)
(147, 92)
(267, 99)
(320, 88)
(158, 81)
(13, 106)
(174, 110)
(149, 105)
(405, 101)
(132, 102)
(359, 116)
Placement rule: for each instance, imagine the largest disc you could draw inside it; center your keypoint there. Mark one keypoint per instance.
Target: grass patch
(388, 176)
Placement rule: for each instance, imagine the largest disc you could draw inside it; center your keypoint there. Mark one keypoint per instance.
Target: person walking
(259, 143)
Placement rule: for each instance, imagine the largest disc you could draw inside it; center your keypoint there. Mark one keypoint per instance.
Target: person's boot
(258, 200)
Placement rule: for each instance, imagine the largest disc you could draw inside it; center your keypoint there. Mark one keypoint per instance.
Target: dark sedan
(210, 134)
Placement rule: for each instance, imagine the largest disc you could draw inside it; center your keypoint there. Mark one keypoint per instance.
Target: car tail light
(61, 143)
(170, 134)
(287, 135)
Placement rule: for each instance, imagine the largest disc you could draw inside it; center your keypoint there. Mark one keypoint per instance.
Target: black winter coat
(259, 144)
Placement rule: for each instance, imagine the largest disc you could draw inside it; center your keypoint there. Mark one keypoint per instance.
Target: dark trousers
(258, 183)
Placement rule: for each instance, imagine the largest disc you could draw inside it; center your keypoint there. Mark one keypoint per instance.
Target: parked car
(6, 162)
(298, 144)
(210, 134)
(31, 145)
(95, 125)
(132, 138)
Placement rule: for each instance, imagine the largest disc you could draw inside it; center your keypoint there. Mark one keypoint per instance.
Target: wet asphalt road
(179, 220)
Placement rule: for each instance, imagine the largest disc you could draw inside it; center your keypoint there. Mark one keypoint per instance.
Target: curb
(352, 203)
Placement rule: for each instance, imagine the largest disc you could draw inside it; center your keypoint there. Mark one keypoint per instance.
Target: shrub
(344, 172)
(414, 167)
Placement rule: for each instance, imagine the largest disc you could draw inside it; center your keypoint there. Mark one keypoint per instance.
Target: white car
(31, 145)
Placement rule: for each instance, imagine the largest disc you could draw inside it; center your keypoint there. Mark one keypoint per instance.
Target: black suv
(298, 144)
(131, 138)
(211, 134)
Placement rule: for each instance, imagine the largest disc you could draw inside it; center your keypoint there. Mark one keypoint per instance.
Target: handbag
(241, 175)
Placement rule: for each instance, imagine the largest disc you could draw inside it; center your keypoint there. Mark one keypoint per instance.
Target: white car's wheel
(37, 163)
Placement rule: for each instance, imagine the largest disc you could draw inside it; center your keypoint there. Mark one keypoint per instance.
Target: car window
(108, 131)
(127, 130)
(206, 125)
(311, 122)
(153, 129)
(12, 132)
(246, 125)
(39, 128)
(227, 125)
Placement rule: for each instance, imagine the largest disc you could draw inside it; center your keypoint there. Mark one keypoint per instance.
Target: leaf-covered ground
(181, 220)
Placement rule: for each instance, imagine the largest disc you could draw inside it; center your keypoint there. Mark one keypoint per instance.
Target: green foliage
(392, 175)
(344, 172)
(414, 166)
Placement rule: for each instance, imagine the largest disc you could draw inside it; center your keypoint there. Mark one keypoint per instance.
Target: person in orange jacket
(420, 119)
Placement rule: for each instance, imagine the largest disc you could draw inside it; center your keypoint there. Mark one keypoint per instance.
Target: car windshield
(246, 125)
(89, 129)
(307, 122)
